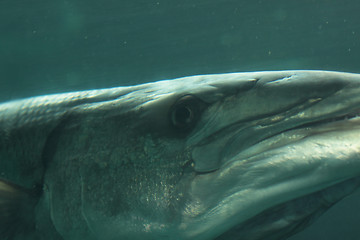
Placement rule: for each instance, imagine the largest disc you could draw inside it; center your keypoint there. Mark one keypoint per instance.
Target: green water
(56, 46)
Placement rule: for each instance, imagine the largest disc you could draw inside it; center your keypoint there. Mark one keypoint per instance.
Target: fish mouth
(328, 145)
(344, 118)
(279, 137)
(291, 212)
(261, 135)
(286, 165)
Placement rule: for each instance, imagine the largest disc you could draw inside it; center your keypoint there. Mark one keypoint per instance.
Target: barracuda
(244, 156)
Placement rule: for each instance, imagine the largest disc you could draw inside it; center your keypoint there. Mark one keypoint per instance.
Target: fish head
(206, 157)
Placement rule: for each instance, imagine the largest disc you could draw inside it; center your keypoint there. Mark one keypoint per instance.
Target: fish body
(243, 156)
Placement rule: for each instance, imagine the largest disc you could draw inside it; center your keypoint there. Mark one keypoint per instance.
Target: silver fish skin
(236, 156)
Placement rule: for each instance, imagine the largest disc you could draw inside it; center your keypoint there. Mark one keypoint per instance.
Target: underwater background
(56, 46)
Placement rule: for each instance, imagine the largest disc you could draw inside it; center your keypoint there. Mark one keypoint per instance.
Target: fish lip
(339, 118)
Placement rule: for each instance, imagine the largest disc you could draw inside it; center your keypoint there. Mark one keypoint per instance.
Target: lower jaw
(286, 219)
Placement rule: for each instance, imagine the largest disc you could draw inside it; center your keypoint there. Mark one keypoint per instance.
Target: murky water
(55, 46)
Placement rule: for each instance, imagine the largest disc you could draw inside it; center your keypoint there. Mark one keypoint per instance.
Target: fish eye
(185, 113)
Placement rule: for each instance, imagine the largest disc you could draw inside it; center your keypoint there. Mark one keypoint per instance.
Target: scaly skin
(224, 156)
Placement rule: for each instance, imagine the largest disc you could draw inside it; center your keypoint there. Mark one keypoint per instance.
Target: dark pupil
(183, 115)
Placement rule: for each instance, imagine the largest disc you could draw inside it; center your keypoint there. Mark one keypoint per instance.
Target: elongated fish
(238, 156)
